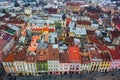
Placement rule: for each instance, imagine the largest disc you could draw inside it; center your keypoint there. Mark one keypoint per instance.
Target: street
(86, 76)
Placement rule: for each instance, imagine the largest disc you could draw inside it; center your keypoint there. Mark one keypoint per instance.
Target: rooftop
(85, 59)
(30, 58)
(94, 54)
(42, 54)
(53, 53)
(16, 21)
(114, 52)
(83, 22)
(9, 58)
(5, 36)
(63, 57)
(20, 55)
(94, 39)
(74, 54)
(105, 56)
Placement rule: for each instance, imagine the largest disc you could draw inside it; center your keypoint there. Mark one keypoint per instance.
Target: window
(44, 53)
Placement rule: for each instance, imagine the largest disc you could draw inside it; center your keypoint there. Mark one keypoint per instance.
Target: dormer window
(44, 53)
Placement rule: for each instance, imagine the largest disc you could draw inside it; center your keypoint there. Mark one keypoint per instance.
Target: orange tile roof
(9, 58)
(74, 54)
(45, 29)
(42, 54)
(32, 48)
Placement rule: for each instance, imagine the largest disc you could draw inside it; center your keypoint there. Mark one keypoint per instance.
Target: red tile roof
(94, 54)
(63, 57)
(53, 53)
(16, 21)
(74, 54)
(30, 58)
(105, 56)
(115, 33)
(94, 39)
(9, 58)
(20, 55)
(85, 59)
(114, 52)
(83, 22)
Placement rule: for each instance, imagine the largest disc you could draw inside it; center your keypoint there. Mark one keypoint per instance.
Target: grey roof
(42, 45)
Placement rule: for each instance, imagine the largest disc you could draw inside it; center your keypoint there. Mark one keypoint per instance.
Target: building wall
(115, 65)
(20, 67)
(84, 68)
(95, 66)
(8, 46)
(1, 56)
(42, 66)
(104, 66)
(9, 67)
(31, 68)
(53, 66)
(64, 67)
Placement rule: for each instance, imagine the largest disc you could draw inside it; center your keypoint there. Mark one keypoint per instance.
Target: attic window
(44, 53)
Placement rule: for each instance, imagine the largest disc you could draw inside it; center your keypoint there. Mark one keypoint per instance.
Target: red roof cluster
(94, 39)
(16, 21)
(83, 22)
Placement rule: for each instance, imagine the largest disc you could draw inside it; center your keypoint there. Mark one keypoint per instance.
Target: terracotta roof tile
(114, 52)
(94, 54)
(9, 58)
(30, 58)
(74, 54)
(20, 55)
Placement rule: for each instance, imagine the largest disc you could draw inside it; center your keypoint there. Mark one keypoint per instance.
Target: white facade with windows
(20, 66)
(53, 66)
(31, 68)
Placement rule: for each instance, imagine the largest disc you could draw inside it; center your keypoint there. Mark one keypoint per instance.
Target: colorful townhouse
(53, 60)
(114, 52)
(8, 64)
(41, 59)
(31, 63)
(20, 61)
(85, 62)
(64, 65)
(95, 58)
(75, 59)
(105, 65)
